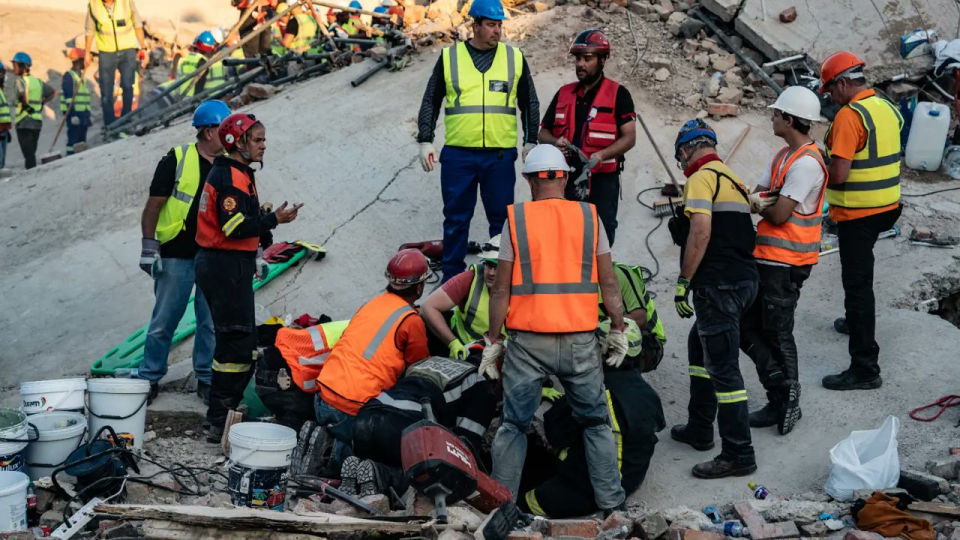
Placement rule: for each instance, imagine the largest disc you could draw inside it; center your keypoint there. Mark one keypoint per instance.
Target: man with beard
(594, 114)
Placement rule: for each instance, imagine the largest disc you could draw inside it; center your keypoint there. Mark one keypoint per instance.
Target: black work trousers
(226, 280)
(716, 385)
(28, 139)
(857, 238)
(766, 332)
(605, 195)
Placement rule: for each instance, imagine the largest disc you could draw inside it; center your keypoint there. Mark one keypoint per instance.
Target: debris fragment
(788, 15)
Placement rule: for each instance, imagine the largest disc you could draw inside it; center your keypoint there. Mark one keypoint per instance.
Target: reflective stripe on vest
(456, 392)
(874, 179)
(554, 285)
(402, 404)
(384, 329)
(306, 350)
(210, 234)
(173, 215)
(111, 36)
(635, 278)
(597, 133)
(470, 425)
(472, 325)
(216, 76)
(189, 64)
(4, 109)
(797, 240)
(81, 103)
(306, 33)
(481, 108)
(34, 89)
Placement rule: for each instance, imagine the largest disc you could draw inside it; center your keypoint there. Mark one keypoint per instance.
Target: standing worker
(118, 29)
(301, 32)
(79, 114)
(169, 246)
(263, 10)
(596, 115)
(231, 230)
(549, 272)
(484, 82)
(788, 245)
(863, 189)
(31, 95)
(201, 50)
(6, 120)
(716, 239)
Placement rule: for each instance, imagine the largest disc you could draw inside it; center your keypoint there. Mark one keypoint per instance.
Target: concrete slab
(727, 10)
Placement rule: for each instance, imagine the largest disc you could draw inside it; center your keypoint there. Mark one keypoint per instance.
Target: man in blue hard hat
(6, 120)
(169, 244)
(479, 84)
(31, 95)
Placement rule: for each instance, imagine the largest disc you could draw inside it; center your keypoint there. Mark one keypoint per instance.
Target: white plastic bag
(865, 460)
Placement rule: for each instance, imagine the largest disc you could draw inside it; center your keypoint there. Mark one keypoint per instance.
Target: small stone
(654, 525)
(675, 21)
(710, 45)
(702, 60)
(702, 114)
(641, 8)
(658, 62)
(652, 17)
(149, 436)
(862, 535)
(662, 74)
(378, 501)
(188, 433)
(219, 499)
(540, 7)
(693, 100)
(788, 15)
(948, 468)
(662, 12)
(168, 429)
(711, 88)
(260, 91)
(723, 61)
(815, 529)
(732, 80)
(691, 27)
(730, 95)
(754, 55)
(51, 518)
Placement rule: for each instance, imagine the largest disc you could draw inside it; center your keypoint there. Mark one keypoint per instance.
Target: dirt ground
(71, 288)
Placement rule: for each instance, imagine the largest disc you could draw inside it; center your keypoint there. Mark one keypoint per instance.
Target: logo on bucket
(36, 404)
(11, 463)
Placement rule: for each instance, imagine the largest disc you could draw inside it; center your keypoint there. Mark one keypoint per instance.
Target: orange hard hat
(407, 267)
(836, 64)
(75, 54)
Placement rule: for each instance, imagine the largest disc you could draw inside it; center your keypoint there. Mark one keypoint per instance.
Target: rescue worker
(548, 275)
(169, 246)
(863, 189)
(383, 338)
(788, 245)
(6, 120)
(30, 97)
(645, 334)
(78, 119)
(457, 314)
(483, 82)
(231, 230)
(460, 399)
(300, 35)
(262, 10)
(278, 30)
(636, 414)
(353, 26)
(202, 49)
(118, 29)
(716, 238)
(596, 115)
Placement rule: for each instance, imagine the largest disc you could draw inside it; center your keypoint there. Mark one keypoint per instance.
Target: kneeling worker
(645, 334)
(383, 338)
(467, 298)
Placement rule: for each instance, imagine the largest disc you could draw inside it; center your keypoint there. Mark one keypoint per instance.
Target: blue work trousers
(3, 148)
(172, 289)
(77, 126)
(340, 425)
(110, 62)
(461, 171)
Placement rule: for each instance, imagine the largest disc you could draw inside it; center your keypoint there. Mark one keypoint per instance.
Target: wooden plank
(170, 530)
(935, 508)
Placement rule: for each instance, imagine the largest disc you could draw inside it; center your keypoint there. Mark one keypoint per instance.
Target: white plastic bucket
(55, 395)
(13, 429)
(260, 456)
(13, 501)
(57, 434)
(120, 404)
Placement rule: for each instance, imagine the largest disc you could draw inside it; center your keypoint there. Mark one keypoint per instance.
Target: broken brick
(525, 535)
(862, 535)
(617, 521)
(693, 534)
(948, 469)
(675, 22)
(662, 12)
(730, 95)
(759, 528)
(654, 525)
(922, 485)
(788, 15)
(723, 61)
(583, 528)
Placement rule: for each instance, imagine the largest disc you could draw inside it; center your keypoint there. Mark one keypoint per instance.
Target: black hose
(656, 262)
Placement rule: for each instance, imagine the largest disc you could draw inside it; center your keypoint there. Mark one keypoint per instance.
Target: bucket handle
(112, 417)
(28, 439)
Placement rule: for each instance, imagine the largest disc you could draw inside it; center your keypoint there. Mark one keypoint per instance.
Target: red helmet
(407, 267)
(76, 54)
(234, 127)
(590, 42)
(837, 64)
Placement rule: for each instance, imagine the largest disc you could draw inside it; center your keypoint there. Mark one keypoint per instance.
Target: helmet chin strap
(245, 154)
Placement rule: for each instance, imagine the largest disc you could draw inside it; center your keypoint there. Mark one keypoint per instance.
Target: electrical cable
(646, 241)
(929, 192)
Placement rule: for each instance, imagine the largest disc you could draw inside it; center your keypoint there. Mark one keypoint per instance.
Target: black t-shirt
(184, 245)
(293, 26)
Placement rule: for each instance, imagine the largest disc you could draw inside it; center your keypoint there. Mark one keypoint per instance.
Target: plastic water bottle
(712, 513)
(759, 492)
(730, 528)
(125, 373)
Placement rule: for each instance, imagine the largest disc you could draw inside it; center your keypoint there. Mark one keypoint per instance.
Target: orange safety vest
(366, 360)
(797, 240)
(209, 232)
(554, 287)
(597, 133)
(306, 349)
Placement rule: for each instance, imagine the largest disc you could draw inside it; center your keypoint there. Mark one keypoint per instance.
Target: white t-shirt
(802, 183)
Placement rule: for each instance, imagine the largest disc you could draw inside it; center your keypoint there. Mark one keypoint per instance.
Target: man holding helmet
(596, 115)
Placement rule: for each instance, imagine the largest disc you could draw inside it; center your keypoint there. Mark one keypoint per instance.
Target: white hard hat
(218, 34)
(545, 157)
(388, 3)
(491, 250)
(799, 101)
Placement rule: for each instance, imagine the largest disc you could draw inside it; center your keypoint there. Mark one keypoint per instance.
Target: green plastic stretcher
(129, 354)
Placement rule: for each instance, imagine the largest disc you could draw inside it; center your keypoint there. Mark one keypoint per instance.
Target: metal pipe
(346, 9)
(362, 78)
(737, 51)
(355, 41)
(785, 60)
(303, 74)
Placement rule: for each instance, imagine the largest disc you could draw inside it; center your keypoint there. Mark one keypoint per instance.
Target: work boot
(622, 507)
(840, 325)
(500, 522)
(682, 433)
(214, 434)
(767, 416)
(154, 392)
(790, 413)
(722, 467)
(348, 475)
(848, 381)
(203, 392)
(367, 479)
(303, 441)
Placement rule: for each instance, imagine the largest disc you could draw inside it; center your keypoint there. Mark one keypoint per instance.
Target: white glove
(526, 150)
(762, 200)
(428, 156)
(488, 363)
(262, 267)
(616, 345)
(74, 120)
(150, 257)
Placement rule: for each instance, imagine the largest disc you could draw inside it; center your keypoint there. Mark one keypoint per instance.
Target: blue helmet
(355, 4)
(690, 131)
(210, 113)
(487, 9)
(380, 9)
(205, 42)
(2, 67)
(23, 58)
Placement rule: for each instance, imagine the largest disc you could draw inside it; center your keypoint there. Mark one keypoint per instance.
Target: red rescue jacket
(596, 133)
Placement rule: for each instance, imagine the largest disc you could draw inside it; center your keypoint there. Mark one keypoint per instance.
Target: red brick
(861, 535)
(525, 535)
(617, 521)
(583, 528)
(723, 109)
(693, 534)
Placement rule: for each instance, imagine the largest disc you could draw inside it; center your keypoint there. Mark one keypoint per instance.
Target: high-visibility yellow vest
(173, 215)
(34, 89)
(471, 326)
(276, 41)
(114, 33)
(481, 108)
(634, 277)
(188, 65)
(874, 179)
(216, 76)
(4, 109)
(306, 34)
(81, 103)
